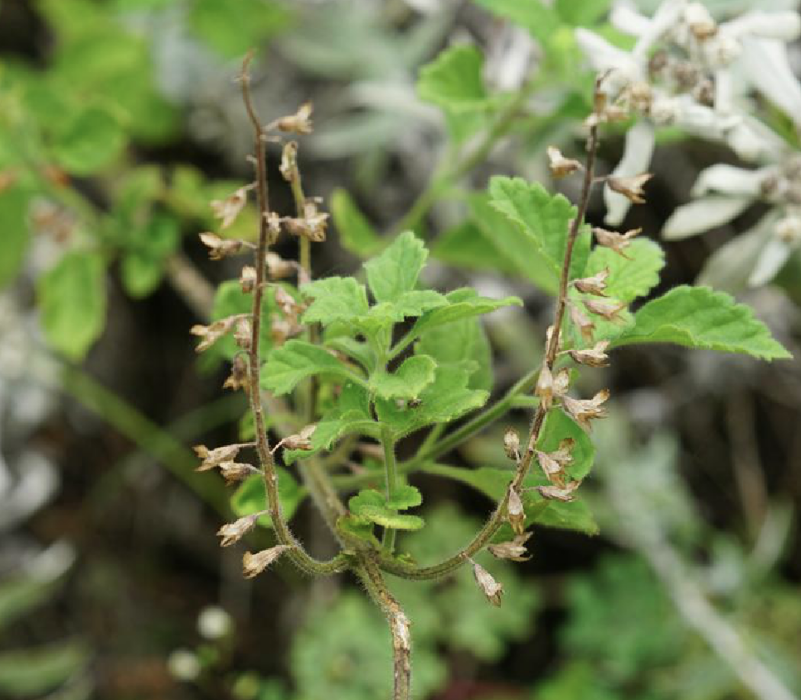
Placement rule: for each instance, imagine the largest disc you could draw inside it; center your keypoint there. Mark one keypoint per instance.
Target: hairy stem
(284, 535)
(497, 518)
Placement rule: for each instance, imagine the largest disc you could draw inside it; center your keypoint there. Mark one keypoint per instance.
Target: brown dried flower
(231, 533)
(301, 441)
(610, 310)
(514, 550)
(511, 444)
(289, 160)
(561, 382)
(544, 388)
(312, 225)
(278, 268)
(212, 333)
(515, 512)
(213, 458)
(238, 379)
(614, 240)
(298, 123)
(557, 493)
(490, 587)
(592, 357)
(559, 165)
(585, 410)
(247, 279)
(236, 471)
(254, 564)
(593, 285)
(582, 322)
(220, 248)
(630, 187)
(229, 208)
(273, 227)
(552, 468)
(243, 333)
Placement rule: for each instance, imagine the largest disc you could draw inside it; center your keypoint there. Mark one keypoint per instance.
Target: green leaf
(406, 382)
(466, 246)
(356, 528)
(371, 505)
(406, 496)
(72, 303)
(461, 343)
(140, 274)
(18, 596)
(446, 399)
(462, 303)
(628, 278)
(233, 33)
(295, 361)
(453, 79)
(355, 232)
(574, 515)
(89, 141)
(37, 671)
(355, 349)
(556, 428)
(335, 299)
(544, 218)
(395, 271)
(532, 15)
(581, 14)
(251, 497)
(13, 224)
(699, 317)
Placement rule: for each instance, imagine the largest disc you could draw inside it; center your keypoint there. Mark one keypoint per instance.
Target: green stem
(391, 479)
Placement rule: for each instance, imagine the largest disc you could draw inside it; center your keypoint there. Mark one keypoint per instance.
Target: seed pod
(254, 564)
(515, 512)
(231, 533)
(490, 587)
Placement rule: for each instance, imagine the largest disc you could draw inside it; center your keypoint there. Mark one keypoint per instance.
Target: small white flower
(214, 623)
(183, 665)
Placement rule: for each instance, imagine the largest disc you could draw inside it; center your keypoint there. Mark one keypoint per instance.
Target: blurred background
(119, 121)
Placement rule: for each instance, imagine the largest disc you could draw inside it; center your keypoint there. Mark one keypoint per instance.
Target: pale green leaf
(462, 343)
(18, 596)
(371, 505)
(406, 496)
(630, 277)
(699, 317)
(295, 361)
(556, 428)
(581, 14)
(34, 672)
(462, 303)
(453, 80)
(545, 218)
(355, 349)
(355, 232)
(251, 496)
(466, 246)
(395, 271)
(406, 382)
(72, 303)
(89, 141)
(335, 299)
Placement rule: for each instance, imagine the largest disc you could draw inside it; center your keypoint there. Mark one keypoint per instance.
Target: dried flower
(556, 493)
(552, 468)
(213, 458)
(514, 550)
(289, 160)
(273, 227)
(630, 187)
(278, 268)
(544, 388)
(301, 441)
(564, 453)
(515, 512)
(298, 123)
(229, 208)
(312, 225)
(247, 279)
(243, 332)
(238, 379)
(220, 248)
(254, 564)
(593, 285)
(610, 310)
(559, 165)
(614, 240)
(286, 302)
(561, 382)
(511, 444)
(582, 322)
(231, 533)
(593, 357)
(236, 471)
(212, 333)
(585, 410)
(490, 587)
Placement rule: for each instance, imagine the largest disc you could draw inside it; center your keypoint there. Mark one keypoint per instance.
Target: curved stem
(284, 535)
